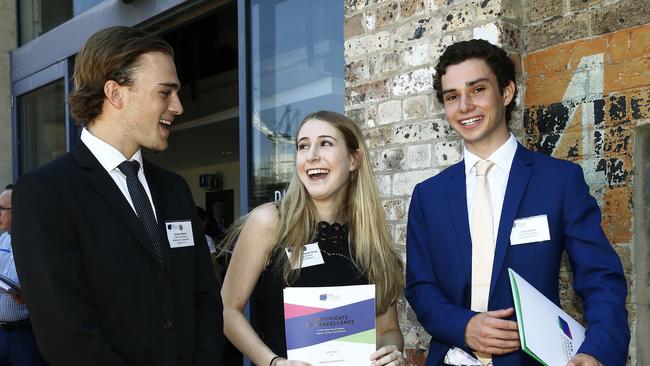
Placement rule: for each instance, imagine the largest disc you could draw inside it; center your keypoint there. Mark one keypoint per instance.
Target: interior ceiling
(206, 62)
(210, 144)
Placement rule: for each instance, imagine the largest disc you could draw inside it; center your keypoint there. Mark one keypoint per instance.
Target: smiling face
(151, 104)
(324, 161)
(475, 105)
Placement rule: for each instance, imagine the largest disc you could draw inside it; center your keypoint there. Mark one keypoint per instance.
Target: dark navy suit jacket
(439, 255)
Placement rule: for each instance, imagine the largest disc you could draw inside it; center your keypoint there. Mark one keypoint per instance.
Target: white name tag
(529, 230)
(179, 233)
(311, 256)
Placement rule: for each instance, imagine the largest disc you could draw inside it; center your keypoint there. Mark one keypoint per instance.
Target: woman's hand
(388, 356)
(285, 362)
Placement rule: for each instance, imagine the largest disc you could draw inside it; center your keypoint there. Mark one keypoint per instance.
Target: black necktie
(143, 207)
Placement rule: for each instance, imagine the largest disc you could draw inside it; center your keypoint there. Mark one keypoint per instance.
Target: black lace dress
(267, 307)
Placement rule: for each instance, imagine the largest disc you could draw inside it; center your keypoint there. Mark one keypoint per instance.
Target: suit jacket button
(168, 324)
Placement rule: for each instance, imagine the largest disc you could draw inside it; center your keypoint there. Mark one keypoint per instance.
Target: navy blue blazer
(438, 271)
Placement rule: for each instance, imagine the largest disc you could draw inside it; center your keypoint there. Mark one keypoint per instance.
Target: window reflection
(40, 16)
(42, 125)
(297, 68)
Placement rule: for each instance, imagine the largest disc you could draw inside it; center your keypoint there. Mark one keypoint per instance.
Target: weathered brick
(371, 92)
(487, 10)
(371, 116)
(392, 159)
(378, 137)
(356, 71)
(403, 183)
(627, 75)
(458, 17)
(389, 112)
(418, 157)
(489, 32)
(411, 7)
(447, 153)
(384, 63)
(422, 131)
(386, 14)
(395, 209)
(577, 5)
(353, 26)
(357, 115)
(400, 231)
(416, 107)
(413, 82)
(417, 55)
(415, 30)
(619, 15)
(383, 184)
(556, 31)
(543, 9)
(359, 46)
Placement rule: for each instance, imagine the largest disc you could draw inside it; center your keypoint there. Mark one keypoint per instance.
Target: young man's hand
(490, 333)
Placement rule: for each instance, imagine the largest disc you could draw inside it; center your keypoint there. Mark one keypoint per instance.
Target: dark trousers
(18, 348)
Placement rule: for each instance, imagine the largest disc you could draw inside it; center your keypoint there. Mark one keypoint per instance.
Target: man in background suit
(462, 233)
(17, 342)
(109, 250)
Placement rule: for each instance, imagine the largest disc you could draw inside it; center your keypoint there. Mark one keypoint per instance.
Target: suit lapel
(458, 204)
(517, 182)
(106, 188)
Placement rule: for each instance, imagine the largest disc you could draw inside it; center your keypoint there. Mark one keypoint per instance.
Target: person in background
(17, 341)
(332, 200)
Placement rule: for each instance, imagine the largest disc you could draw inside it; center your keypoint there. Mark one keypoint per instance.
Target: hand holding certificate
(547, 333)
(330, 325)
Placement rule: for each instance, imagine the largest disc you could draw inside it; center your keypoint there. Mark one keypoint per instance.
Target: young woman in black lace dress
(332, 200)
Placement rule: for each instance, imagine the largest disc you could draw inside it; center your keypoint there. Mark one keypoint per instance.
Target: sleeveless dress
(338, 269)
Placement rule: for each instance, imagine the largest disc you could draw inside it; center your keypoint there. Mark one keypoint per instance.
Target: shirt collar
(501, 157)
(107, 155)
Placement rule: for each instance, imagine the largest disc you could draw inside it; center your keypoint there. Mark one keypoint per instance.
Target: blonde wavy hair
(368, 234)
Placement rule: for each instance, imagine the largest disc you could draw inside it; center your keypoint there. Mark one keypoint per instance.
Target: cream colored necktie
(482, 244)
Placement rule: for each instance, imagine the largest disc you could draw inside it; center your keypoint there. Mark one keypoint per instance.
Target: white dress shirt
(498, 180)
(109, 158)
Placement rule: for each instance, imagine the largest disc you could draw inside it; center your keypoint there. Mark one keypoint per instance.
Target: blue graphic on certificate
(330, 325)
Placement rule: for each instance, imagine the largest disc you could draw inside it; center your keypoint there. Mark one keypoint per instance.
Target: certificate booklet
(330, 325)
(547, 333)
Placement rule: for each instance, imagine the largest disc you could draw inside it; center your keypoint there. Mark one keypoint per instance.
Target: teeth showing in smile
(165, 122)
(471, 121)
(312, 172)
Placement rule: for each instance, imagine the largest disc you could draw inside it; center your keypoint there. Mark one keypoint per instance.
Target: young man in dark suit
(109, 250)
(463, 229)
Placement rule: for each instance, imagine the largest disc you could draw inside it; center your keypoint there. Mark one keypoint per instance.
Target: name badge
(179, 233)
(311, 256)
(529, 230)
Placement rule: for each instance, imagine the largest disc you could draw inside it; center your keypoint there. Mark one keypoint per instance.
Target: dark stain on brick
(573, 151)
(598, 141)
(552, 118)
(449, 17)
(616, 173)
(640, 107)
(548, 144)
(617, 108)
(419, 31)
(599, 112)
(601, 166)
(484, 3)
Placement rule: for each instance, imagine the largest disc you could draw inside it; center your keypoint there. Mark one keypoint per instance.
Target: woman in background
(333, 200)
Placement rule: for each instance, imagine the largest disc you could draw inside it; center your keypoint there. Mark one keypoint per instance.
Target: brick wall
(585, 86)
(7, 43)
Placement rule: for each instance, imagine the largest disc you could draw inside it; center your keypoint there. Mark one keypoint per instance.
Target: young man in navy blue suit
(471, 323)
(110, 253)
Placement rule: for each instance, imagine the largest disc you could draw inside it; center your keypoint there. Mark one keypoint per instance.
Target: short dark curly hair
(496, 58)
(110, 54)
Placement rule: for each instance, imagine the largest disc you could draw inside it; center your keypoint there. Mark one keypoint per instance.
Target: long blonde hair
(363, 213)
